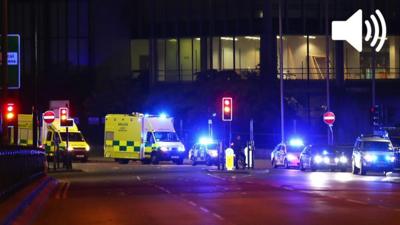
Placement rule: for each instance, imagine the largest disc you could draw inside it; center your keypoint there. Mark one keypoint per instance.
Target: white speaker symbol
(351, 30)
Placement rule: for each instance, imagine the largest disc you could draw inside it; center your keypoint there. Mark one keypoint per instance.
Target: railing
(19, 165)
(295, 73)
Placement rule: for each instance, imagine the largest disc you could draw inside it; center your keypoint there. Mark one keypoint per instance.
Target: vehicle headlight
(343, 159)
(163, 148)
(70, 148)
(181, 148)
(337, 160)
(87, 148)
(291, 157)
(317, 159)
(213, 153)
(326, 160)
(390, 158)
(370, 158)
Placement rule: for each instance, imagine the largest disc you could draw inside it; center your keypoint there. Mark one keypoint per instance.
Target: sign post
(329, 119)
(13, 62)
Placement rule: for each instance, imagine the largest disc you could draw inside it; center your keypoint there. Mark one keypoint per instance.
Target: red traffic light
(10, 112)
(227, 109)
(63, 113)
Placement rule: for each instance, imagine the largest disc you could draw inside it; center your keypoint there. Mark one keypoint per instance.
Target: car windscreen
(294, 148)
(377, 146)
(212, 146)
(72, 136)
(166, 136)
(323, 150)
(395, 141)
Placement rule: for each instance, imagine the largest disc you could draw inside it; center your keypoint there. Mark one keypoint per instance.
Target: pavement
(104, 192)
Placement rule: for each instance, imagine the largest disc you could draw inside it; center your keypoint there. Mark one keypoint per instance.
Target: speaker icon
(351, 30)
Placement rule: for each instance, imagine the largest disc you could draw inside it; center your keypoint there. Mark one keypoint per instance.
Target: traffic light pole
(4, 66)
(281, 74)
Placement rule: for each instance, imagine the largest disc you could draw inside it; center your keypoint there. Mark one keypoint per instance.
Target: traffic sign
(329, 118)
(49, 117)
(14, 62)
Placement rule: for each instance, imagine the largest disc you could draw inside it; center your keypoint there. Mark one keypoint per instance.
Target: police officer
(238, 146)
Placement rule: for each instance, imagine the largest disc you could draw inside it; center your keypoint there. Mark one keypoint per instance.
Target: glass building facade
(304, 57)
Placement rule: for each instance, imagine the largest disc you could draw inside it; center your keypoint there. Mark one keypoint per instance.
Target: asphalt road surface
(105, 192)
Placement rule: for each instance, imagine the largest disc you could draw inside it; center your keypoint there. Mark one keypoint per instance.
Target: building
(174, 41)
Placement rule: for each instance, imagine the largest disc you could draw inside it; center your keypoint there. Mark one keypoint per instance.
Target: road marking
(192, 203)
(217, 177)
(218, 216)
(138, 178)
(287, 188)
(60, 189)
(204, 209)
(64, 195)
(162, 189)
(356, 201)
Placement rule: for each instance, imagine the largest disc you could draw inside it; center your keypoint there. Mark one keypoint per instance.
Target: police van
(136, 136)
(54, 133)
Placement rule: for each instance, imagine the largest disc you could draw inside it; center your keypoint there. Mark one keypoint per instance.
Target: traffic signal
(227, 109)
(376, 116)
(10, 113)
(64, 118)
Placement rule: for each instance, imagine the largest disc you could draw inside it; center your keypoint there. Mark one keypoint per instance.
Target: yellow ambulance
(76, 142)
(136, 136)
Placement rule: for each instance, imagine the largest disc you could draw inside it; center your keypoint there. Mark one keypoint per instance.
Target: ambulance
(76, 142)
(140, 137)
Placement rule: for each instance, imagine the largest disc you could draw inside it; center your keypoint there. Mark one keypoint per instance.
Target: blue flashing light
(297, 142)
(205, 141)
(325, 152)
(163, 115)
(146, 115)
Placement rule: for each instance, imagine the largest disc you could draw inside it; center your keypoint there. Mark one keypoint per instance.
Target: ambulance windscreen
(166, 136)
(73, 136)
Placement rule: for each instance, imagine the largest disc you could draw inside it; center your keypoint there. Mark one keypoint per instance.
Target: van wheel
(145, 161)
(363, 171)
(179, 161)
(274, 164)
(354, 169)
(123, 161)
(302, 166)
(154, 159)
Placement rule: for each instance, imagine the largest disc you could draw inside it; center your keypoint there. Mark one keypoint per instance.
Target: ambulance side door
(49, 144)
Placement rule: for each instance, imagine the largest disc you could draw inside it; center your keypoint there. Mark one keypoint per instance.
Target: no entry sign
(329, 118)
(49, 117)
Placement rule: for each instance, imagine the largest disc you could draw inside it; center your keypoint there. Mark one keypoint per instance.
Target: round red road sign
(329, 118)
(49, 116)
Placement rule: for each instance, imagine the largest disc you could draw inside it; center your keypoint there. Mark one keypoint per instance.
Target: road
(105, 192)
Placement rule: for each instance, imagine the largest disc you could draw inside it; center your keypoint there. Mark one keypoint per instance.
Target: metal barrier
(18, 166)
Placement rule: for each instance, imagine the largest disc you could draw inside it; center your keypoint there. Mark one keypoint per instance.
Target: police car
(372, 153)
(287, 155)
(204, 152)
(320, 157)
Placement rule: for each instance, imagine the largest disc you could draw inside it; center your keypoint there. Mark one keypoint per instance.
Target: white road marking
(138, 178)
(192, 203)
(218, 216)
(204, 209)
(64, 195)
(356, 201)
(217, 177)
(60, 189)
(162, 189)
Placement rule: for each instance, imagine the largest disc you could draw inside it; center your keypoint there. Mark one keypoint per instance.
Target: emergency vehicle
(136, 136)
(76, 142)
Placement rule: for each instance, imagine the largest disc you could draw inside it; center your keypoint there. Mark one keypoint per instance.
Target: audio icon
(351, 30)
